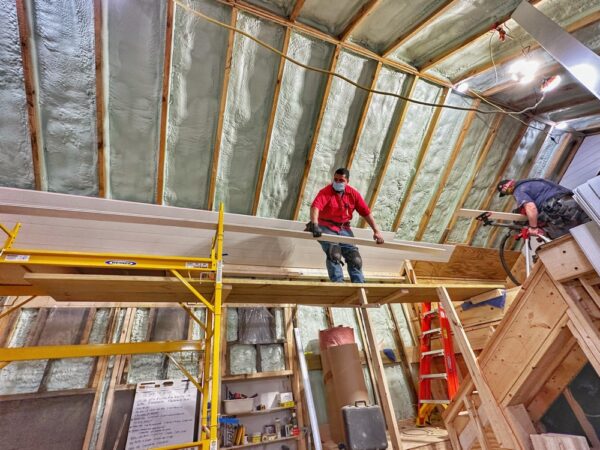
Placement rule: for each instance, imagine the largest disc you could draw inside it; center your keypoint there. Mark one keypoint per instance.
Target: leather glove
(313, 228)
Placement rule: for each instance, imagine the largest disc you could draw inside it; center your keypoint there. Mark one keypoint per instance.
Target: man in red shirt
(331, 213)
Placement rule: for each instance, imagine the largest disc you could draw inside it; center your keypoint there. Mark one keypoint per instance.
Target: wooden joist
(100, 99)
(358, 18)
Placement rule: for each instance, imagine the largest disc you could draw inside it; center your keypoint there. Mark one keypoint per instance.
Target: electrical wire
(332, 73)
(365, 88)
(492, 56)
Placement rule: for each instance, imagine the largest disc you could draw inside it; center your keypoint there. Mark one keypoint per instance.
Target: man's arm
(376, 231)
(531, 212)
(314, 214)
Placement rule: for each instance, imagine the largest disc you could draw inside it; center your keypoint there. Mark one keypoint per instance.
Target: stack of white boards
(588, 196)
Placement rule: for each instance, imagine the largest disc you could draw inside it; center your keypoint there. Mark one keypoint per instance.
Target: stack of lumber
(588, 196)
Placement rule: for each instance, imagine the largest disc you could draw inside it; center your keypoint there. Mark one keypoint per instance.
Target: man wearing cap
(330, 213)
(546, 204)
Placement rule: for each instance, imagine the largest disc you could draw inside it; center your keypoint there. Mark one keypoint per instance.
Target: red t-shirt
(339, 208)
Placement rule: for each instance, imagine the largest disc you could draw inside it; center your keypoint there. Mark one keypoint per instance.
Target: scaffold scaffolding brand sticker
(120, 262)
(196, 265)
(16, 258)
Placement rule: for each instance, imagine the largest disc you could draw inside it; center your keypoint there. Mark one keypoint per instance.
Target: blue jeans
(334, 269)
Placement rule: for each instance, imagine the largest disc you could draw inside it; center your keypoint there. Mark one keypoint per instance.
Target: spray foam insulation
(280, 7)
(332, 16)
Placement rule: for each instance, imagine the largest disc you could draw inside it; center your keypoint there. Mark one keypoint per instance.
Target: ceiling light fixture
(523, 70)
(462, 87)
(550, 83)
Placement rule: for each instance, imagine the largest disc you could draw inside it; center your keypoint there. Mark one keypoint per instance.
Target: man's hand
(313, 228)
(378, 237)
(535, 231)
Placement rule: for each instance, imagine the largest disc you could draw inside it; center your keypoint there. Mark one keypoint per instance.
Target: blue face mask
(339, 187)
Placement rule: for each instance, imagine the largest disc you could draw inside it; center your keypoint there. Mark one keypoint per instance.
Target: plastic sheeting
(404, 154)
(198, 65)
(15, 145)
(134, 59)
(299, 104)
(271, 358)
(64, 43)
(242, 359)
(427, 180)
(338, 129)
(249, 101)
(256, 326)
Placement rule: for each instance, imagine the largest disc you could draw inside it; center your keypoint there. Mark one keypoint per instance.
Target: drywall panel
(404, 155)
(585, 164)
(465, 18)
(459, 176)
(249, 101)
(482, 184)
(521, 162)
(338, 129)
(135, 56)
(427, 180)
(16, 165)
(391, 19)
(198, 65)
(377, 133)
(330, 17)
(64, 43)
(300, 100)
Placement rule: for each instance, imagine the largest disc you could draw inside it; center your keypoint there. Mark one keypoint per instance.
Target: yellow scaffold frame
(209, 384)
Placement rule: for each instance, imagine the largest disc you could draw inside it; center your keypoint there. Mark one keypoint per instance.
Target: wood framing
(402, 39)
(389, 151)
(100, 110)
(214, 168)
(582, 23)
(420, 159)
(363, 118)
(446, 172)
(361, 15)
(269, 133)
(568, 141)
(296, 11)
(164, 108)
(315, 134)
(469, 40)
(514, 146)
(29, 77)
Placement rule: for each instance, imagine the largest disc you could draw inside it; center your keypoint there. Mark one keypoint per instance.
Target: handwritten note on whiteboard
(163, 414)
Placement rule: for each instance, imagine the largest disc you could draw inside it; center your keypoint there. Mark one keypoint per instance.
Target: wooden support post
(363, 118)
(489, 140)
(214, 168)
(493, 411)
(292, 364)
(446, 172)
(164, 109)
(514, 146)
(296, 11)
(420, 158)
(315, 136)
(29, 77)
(99, 63)
(368, 352)
(382, 387)
(269, 133)
(582, 418)
(479, 428)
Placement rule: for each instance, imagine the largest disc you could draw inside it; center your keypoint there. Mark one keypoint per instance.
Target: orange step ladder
(427, 403)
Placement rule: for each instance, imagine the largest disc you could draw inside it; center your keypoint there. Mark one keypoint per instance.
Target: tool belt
(560, 214)
(337, 224)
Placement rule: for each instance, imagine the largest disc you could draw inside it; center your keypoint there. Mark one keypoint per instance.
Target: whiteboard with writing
(163, 414)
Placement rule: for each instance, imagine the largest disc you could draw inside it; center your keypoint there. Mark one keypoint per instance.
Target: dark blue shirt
(538, 191)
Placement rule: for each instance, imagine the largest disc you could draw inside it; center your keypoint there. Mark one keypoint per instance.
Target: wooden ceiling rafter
(572, 113)
(317, 129)
(164, 108)
(575, 26)
(363, 117)
(358, 18)
(577, 141)
(446, 172)
(389, 151)
(214, 169)
(559, 154)
(489, 140)
(465, 43)
(525, 172)
(420, 159)
(419, 26)
(100, 111)
(296, 11)
(271, 123)
(485, 204)
(26, 41)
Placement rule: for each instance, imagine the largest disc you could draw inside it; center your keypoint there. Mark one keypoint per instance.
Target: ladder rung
(435, 402)
(433, 352)
(429, 313)
(432, 331)
(430, 376)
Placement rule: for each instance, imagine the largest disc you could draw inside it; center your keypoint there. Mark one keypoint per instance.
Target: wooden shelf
(263, 411)
(258, 376)
(262, 443)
